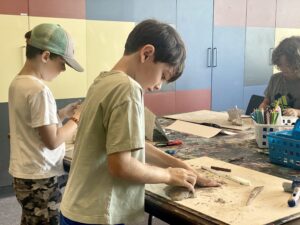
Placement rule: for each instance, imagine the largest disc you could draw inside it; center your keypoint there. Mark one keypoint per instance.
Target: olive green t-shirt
(112, 120)
(280, 87)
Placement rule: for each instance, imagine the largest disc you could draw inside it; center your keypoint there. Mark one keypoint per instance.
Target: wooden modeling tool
(236, 179)
(255, 191)
(220, 168)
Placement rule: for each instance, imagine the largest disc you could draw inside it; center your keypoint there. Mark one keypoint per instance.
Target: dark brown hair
(32, 52)
(169, 47)
(290, 48)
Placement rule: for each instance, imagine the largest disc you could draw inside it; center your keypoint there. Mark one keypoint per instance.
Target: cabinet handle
(208, 57)
(270, 55)
(215, 57)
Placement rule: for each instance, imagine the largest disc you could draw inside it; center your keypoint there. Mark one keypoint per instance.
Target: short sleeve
(125, 129)
(43, 110)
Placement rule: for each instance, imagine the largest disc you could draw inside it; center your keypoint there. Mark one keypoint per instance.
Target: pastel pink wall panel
(14, 7)
(288, 14)
(192, 100)
(230, 13)
(261, 13)
(161, 103)
(58, 8)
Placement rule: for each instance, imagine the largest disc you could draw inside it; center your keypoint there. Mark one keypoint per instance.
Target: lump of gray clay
(178, 193)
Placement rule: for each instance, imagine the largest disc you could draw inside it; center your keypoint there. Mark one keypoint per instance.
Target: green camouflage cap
(53, 38)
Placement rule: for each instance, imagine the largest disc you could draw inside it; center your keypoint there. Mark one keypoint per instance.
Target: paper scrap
(195, 129)
(207, 116)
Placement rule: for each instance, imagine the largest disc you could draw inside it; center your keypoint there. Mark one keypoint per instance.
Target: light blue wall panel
(228, 75)
(258, 68)
(252, 90)
(195, 24)
(131, 10)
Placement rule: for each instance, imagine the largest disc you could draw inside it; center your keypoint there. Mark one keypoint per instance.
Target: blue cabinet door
(195, 25)
(228, 54)
(228, 71)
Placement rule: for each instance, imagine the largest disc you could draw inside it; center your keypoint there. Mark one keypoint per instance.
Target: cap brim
(74, 64)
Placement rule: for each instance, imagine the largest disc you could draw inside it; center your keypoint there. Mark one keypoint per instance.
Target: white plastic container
(262, 130)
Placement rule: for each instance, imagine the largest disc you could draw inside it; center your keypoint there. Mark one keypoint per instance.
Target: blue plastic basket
(284, 147)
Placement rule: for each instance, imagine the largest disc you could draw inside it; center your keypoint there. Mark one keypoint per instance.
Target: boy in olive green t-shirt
(108, 172)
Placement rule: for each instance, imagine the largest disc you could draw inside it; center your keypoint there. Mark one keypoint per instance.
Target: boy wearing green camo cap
(37, 135)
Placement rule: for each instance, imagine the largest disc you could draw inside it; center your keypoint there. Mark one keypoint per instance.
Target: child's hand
(72, 109)
(77, 112)
(290, 112)
(182, 177)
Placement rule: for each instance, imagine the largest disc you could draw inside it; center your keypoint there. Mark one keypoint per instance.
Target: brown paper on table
(207, 116)
(195, 129)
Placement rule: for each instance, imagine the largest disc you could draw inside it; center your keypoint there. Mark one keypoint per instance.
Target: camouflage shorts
(39, 199)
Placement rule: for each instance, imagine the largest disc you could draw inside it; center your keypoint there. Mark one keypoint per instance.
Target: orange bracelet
(75, 120)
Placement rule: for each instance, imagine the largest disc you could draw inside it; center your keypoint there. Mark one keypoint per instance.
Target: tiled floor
(10, 210)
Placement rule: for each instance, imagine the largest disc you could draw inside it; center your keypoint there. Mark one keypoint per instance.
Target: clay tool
(169, 143)
(253, 194)
(220, 168)
(236, 159)
(236, 179)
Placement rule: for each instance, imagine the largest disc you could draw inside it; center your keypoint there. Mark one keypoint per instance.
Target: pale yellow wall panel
(282, 33)
(105, 45)
(12, 44)
(69, 84)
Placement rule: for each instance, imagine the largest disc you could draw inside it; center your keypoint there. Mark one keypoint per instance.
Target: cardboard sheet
(195, 129)
(228, 203)
(211, 117)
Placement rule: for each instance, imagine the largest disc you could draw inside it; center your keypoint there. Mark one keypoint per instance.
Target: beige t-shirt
(112, 120)
(32, 105)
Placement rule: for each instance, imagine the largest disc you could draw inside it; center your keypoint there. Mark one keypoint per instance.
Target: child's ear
(45, 56)
(147, 52)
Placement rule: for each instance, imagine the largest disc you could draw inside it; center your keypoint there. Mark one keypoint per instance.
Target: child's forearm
(123, 166)
(157, 157)
(53, 136)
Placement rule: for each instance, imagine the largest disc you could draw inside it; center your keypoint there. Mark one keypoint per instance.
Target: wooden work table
(240, 149)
